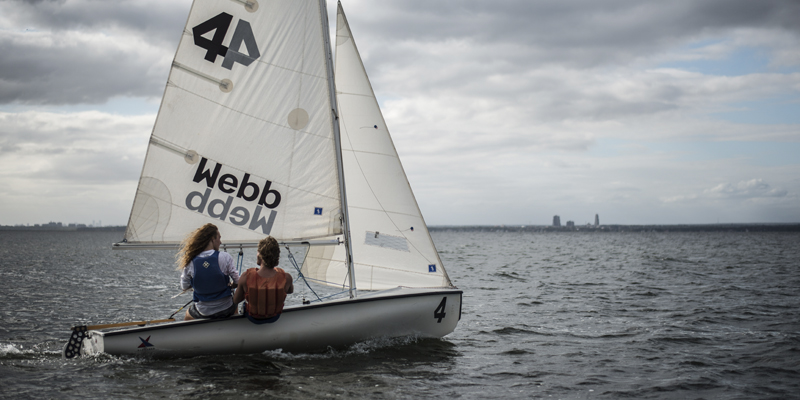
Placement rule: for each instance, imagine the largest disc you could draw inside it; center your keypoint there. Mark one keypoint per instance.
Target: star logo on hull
(145, 342)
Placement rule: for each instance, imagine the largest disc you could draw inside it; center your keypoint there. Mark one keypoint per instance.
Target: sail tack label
(263, 196)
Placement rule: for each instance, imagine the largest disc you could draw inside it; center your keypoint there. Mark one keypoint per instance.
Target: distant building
(556, 220)
(597, 220)
(570, 224)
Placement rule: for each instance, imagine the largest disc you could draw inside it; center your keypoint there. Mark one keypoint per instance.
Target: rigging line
(387, 212)
(347, 275)
(300, 273)
(335, 294)
(353, 94)
(329, 283)
(370, 152)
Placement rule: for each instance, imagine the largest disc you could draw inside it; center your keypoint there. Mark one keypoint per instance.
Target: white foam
(359, 348)
(6, 349)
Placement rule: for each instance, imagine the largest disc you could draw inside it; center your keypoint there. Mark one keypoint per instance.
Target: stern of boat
(83, 343)
(93, 344)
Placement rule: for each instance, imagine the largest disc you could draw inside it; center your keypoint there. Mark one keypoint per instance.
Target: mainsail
(391, 244)
(244, 136)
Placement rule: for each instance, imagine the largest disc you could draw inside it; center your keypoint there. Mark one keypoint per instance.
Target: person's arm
(228, 268)
(289, 284)
(186, 277)
(238, 296)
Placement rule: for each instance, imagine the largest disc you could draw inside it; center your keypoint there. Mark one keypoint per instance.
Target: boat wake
(356, 349)
(9, 349)
(42, 352)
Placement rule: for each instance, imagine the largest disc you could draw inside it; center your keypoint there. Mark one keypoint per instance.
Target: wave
(371, 346)
(515, 331)
(510, 276)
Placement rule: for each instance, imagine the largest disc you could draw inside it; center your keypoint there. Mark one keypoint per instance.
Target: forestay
(390, 241)
(244, 136)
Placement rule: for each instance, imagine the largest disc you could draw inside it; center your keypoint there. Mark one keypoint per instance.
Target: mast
(338, 148)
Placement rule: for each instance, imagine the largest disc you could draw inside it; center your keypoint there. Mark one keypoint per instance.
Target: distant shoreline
(756, 227)
(61, 228)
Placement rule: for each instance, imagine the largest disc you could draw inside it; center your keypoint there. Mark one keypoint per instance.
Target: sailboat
(256, 135)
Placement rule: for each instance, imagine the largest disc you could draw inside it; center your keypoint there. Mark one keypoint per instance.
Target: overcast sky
(503, 112)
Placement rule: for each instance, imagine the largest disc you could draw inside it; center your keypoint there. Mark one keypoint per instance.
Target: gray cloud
(155, 21)
(74, 72)
(579, 33)
(80, 148)
(83, 51)
(754, 188)
(86, 52)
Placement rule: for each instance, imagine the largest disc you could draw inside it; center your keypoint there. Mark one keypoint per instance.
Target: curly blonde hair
(194, 244)
(269, 251)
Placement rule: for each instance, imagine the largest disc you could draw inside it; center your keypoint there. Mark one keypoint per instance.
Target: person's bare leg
(187, 317)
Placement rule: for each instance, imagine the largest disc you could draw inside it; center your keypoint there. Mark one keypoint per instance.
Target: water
(545, 315)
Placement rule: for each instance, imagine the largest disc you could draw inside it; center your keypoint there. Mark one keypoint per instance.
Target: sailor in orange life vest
(209, 272)
(265, 289)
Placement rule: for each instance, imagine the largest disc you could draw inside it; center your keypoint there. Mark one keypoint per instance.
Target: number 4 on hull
(439, 311)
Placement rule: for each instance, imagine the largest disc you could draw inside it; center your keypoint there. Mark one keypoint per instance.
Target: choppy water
(545, 315)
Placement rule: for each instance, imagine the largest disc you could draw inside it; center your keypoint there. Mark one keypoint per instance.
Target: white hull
(303, 328)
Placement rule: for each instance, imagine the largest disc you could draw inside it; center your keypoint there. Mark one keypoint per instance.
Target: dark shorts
(259, 321)
(221, 314)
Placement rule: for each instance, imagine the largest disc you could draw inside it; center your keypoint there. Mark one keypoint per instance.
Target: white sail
(390, 241)
(244, 136)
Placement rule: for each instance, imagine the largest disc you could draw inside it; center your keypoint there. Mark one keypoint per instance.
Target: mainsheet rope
(301, 276)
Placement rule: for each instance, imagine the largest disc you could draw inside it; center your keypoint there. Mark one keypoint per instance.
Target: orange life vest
(265, 296)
